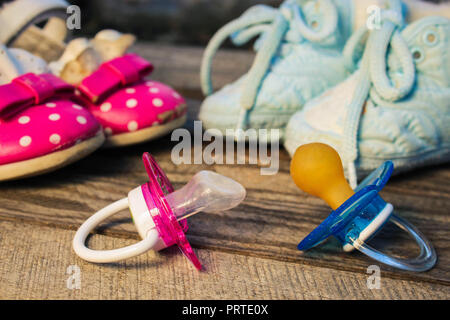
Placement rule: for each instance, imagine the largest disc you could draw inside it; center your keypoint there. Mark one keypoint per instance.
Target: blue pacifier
(357, 215)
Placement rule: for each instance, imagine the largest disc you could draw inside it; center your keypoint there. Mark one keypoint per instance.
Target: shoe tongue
(16, 62)
(328, 112)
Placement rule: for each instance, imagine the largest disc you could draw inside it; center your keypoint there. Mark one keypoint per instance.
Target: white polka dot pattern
(81, 120)
(137, 107)
(24, 120)
(25, 141)
(131, 103)
(55, 138)
(54, 117)
(105, 107)
(157, 102)
(176, 95)
(42, 129)
(132, 126)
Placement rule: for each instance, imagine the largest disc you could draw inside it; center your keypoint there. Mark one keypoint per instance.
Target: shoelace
(373, 71)
(271, 25)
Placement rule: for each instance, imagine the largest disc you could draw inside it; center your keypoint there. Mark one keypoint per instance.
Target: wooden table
(248, 252)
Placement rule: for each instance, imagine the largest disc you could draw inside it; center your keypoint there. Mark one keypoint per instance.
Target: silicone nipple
(207, 190)
(316, 168)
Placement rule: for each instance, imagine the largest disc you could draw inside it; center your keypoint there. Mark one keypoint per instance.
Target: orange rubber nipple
(317, 169)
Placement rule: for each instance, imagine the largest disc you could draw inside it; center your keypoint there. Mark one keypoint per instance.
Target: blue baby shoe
(395, 106)
(298, 56)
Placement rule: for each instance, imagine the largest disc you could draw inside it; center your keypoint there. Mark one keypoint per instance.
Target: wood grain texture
(273, 218)
(34, 261)
(270, 222)
(180, 66)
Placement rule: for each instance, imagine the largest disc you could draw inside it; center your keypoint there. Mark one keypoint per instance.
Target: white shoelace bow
(271, 25)
(373, 71)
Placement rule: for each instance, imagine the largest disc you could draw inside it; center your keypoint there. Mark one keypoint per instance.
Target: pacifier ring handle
(105, 256)
(423, 262)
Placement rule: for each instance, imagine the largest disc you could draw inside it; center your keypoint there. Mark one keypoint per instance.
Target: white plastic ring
(105, 256)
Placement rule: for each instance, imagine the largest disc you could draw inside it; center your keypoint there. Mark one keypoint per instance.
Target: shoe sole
(435, 157)
(52, 161)
(130, 138)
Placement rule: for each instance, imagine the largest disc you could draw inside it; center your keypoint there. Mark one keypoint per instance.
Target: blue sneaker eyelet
(314, 22)
(418, 54)
(430, 38)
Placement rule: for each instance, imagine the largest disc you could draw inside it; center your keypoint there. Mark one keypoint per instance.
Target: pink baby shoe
(131, 109)
(41, 129)
(110, 82)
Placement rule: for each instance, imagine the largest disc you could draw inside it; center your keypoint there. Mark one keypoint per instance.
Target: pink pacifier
(158, 212)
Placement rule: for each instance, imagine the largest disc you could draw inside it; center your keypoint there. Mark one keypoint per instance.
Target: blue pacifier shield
(378, 178)
(365, 194)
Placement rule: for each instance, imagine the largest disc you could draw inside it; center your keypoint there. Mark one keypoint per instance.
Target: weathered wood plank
(180, 66)
(270, 222)
(230, 64)
(34, 262)
(272, 219)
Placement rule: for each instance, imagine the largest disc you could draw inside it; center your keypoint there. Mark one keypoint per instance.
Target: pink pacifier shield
(170, 230)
